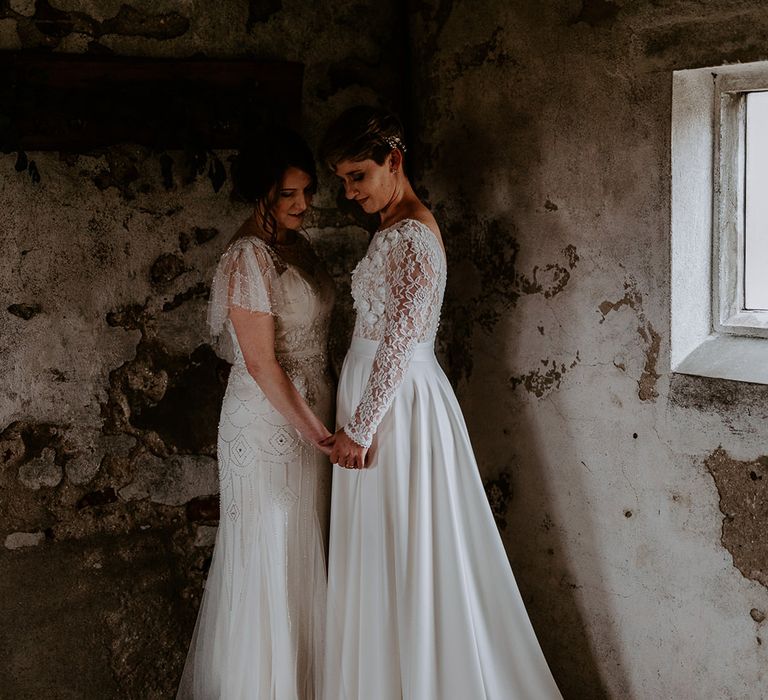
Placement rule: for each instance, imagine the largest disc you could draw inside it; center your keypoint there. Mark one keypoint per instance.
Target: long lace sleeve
(411, 280)
(245, 278)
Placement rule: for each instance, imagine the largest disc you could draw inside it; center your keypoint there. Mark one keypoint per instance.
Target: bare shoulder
(243, 233)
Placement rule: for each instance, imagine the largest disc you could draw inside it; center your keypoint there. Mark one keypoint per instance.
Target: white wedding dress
(422, 603)
(260, 629)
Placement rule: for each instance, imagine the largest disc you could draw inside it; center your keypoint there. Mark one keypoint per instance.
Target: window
(756, 203)
(740, 208)
(719, 281)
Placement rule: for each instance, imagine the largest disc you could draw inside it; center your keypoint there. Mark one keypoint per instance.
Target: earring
(393, 170)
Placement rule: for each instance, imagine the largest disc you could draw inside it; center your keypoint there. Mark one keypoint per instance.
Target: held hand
(327, 441)
(326, 450)
(325, 445)
(346, 452)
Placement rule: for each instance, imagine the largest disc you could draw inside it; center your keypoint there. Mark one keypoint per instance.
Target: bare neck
(403, 204)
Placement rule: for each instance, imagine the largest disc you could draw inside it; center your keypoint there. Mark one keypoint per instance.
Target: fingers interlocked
(345, 452)
(348, 460)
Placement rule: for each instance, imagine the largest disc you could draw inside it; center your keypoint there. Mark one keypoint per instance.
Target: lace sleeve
(411, 279)
(245, 278)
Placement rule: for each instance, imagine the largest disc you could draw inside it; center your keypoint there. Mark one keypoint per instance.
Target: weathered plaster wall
(631, 500)
(110, 391)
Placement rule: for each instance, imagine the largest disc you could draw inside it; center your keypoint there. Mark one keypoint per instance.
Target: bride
(422, 604)
(259, 633)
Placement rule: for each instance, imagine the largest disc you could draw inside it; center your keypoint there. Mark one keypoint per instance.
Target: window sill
(740, 359)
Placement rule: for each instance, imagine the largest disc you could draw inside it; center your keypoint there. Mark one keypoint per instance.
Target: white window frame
(728, 284)
(712, 335)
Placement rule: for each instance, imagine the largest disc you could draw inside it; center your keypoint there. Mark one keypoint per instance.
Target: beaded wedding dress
(422, 603)
(260, 629)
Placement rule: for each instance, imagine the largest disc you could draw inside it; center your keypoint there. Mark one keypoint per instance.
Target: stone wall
(111, 391)
(631, 500)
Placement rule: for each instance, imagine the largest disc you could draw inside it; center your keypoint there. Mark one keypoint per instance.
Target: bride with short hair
(422, 603)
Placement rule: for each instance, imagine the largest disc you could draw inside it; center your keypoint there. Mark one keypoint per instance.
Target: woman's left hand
(345, 451)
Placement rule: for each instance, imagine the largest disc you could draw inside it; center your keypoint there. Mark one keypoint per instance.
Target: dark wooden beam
(77, 103)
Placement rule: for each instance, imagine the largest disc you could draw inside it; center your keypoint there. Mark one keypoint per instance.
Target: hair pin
(395, 142)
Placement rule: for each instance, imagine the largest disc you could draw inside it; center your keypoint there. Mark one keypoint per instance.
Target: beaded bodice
(288, 282)
(398, 291)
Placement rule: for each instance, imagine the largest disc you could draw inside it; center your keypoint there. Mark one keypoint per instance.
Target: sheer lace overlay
(290, 284)
(398, 291)
(245, 278)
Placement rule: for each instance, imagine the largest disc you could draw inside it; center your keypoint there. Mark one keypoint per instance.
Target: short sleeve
(245, 278)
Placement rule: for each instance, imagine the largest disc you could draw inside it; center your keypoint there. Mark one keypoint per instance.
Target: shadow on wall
(540, 556)
(551, 594)
(485, 285)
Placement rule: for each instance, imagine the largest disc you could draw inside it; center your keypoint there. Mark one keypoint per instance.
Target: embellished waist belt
(293, 361)
(309, 355)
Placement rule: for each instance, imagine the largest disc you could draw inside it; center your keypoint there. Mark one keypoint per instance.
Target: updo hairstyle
(260, 164)
(361, 133)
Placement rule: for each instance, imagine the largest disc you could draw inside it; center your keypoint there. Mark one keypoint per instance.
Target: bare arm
(256, 336)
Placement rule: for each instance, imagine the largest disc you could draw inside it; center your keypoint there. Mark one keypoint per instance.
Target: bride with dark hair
(422, 603)
(260, 629)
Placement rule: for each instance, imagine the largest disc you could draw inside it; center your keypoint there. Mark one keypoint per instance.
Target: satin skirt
(422, 603)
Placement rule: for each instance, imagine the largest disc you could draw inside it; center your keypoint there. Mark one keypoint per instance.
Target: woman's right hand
(321, 440)
(346, 452)
(325, 449)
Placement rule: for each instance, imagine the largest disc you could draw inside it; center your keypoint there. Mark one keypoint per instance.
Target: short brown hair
(360, 133)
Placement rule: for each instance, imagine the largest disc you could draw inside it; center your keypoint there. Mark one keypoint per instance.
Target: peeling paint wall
(111, 392)
(631, 501)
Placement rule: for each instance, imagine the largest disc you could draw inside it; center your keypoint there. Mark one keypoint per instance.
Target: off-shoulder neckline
(402, 221)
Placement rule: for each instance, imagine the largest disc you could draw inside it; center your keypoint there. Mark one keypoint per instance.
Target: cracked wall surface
(540, 136)
(111, 389)
(624, 493)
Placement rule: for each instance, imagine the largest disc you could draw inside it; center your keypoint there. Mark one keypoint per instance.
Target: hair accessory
(395, 142)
